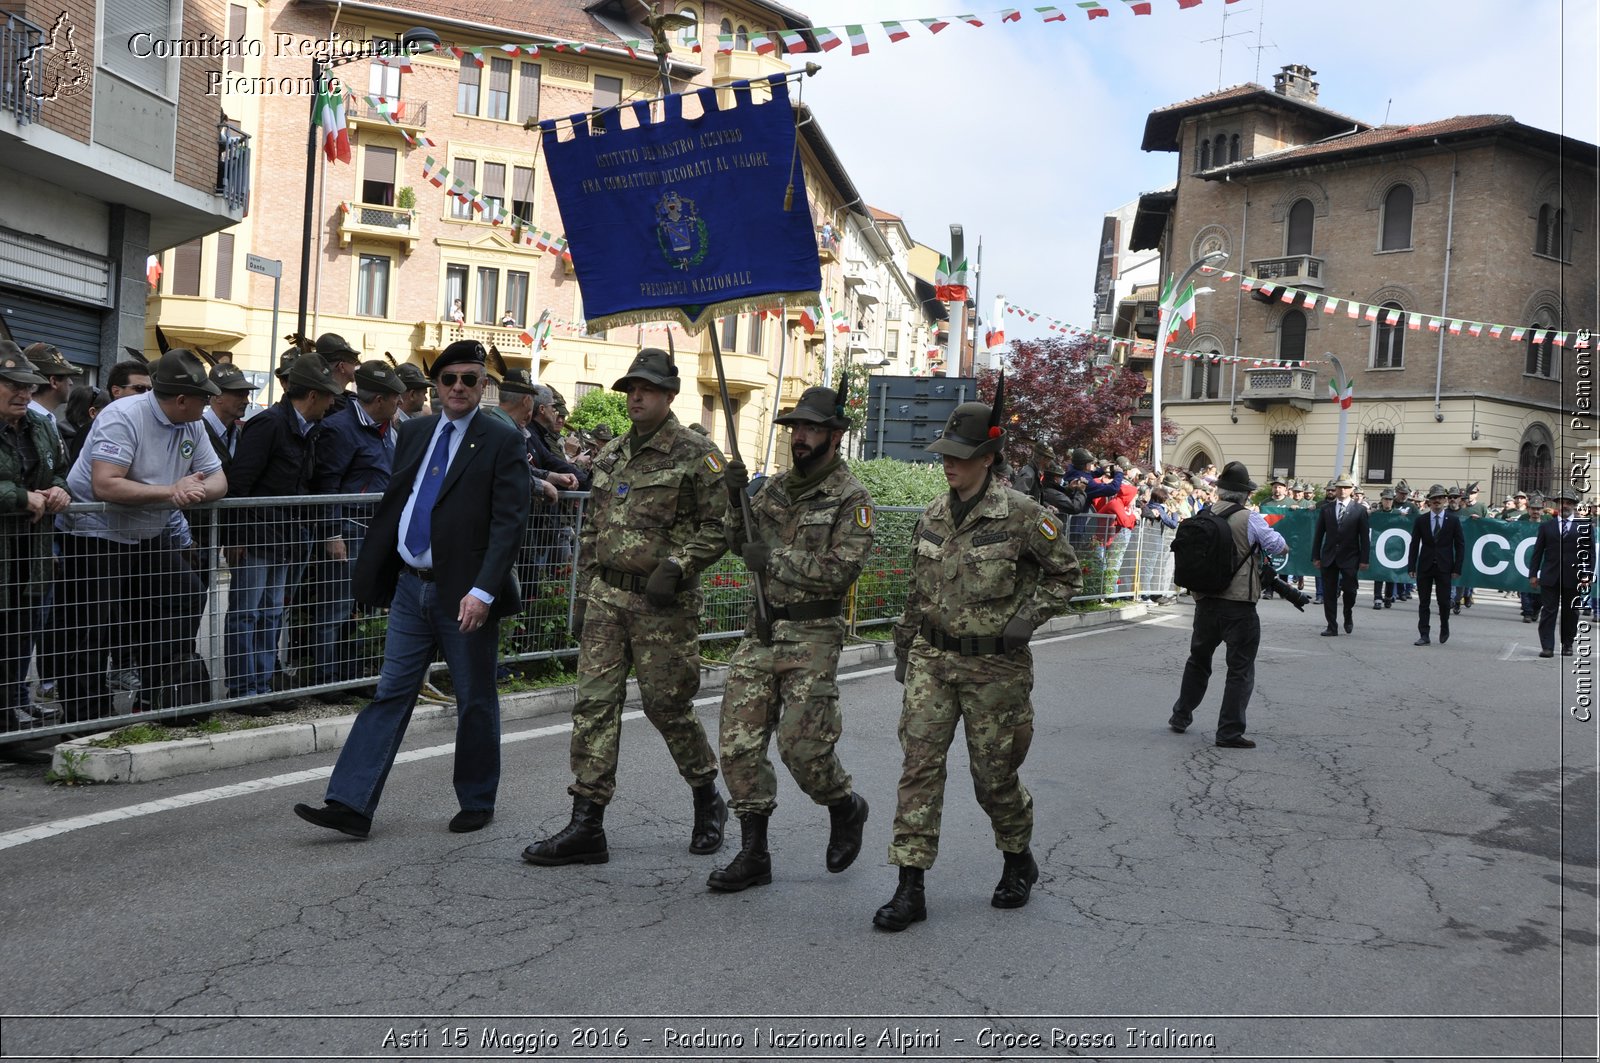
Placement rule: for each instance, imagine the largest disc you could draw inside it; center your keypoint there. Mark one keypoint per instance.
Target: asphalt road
(1404, 868)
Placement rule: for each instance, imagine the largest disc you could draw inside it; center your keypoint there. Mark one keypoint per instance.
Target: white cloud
(1026, 133)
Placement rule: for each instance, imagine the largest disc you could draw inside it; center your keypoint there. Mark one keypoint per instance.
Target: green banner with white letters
(1497, 550)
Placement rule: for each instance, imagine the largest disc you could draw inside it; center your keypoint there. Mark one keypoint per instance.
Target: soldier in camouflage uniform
(813, 532)
(989, 566)
(655, 521)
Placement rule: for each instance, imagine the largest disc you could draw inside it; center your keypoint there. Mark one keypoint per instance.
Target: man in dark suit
(1340, 545)
(439, 554)
(1438, 550)
(1562, 558)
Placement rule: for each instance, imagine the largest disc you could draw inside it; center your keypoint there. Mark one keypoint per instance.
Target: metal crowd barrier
(240, 603)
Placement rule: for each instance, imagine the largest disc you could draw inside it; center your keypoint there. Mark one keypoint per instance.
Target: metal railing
(405, 112)
(20, 68)
(240, 604)
(233, 167)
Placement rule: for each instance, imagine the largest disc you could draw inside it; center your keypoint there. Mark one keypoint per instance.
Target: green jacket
(22, 539)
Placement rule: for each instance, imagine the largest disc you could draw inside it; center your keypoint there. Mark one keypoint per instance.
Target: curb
(150, 761)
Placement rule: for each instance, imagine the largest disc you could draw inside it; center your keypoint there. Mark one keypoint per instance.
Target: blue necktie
(419, 536)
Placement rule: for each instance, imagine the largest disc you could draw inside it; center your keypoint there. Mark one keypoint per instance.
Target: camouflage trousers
(991, 696)
(788, 687)
(666, 660)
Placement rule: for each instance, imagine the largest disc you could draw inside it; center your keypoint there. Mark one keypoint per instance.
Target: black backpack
(1202, 552)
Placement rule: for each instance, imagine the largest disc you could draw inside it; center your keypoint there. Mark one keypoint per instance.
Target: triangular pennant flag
(934, 24)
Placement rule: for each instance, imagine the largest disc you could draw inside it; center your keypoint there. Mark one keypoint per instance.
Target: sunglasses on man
(466, 380)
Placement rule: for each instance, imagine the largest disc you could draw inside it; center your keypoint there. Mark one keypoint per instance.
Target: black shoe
(1330, 630)
(1376, 604)
(1444, 634)
(1236, 743)
(335, 816)
(1466, 603)
(23, 753)
(581, 841)
(1547, 653)
(847, 818)
(1016, 881)
(1527, 619)
(259, 709)
(907, 906)
(1455, 610)
(1388, 604)
(1423, 641)
(710, 813)
(1179, 722)
(1317, 600)
(1349, 624)
(752, 865)
(470, 819)
(1566, 651)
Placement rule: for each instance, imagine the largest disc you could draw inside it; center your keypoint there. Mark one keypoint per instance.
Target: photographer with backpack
(1214, 554)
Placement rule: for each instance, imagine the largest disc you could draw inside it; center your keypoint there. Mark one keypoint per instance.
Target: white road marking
(55, 828)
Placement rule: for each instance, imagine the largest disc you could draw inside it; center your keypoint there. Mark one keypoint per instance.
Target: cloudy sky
(1026, 133)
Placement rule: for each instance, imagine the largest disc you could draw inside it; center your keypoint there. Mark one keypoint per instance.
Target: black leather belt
(623, 581)
(423, 574)
(820, 610)
(966, 646)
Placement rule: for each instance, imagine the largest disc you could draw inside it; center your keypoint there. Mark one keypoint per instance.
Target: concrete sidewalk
(149, 761)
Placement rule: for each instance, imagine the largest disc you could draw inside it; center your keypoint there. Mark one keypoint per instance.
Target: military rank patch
(863, 516)
(1049, 528)
(713, 462)
(186, 448)
(622, 490)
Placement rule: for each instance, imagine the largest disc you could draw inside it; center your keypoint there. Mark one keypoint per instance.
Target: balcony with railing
(827, 245)
(398, 114)
(1293, 385)
(745, 372)
(233, 167)
(19, 68)
(375, 221)
(1142, 407)
(1299, 271)
(507, 339)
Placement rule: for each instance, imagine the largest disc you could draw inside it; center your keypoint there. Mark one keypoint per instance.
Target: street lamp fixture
(412, 41)
(1169, 304)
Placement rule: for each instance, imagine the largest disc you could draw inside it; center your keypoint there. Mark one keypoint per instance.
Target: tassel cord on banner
(745, 84)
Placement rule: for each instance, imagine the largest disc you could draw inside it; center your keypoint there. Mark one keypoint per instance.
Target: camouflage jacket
(820, 540)
(667, 500)
(22, 539)
(1009, 558)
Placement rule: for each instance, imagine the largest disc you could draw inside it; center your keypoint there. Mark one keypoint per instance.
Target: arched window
(1233, 148)
(741, 39)
(1200, 460)
(1389, 338)
(1205, 376)
(1551, 238)
(1541, 345)
(1219, 149)
(1292, 337)
(1541, 234)
(1535, 460)
(1397, 218)
(688, 33)
(1302, 223)
(1205, 155)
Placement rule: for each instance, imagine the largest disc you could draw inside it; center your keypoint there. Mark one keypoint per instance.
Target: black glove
(661, 589)
(578, 612)
(757, 556)
(737, 477)
(900, 670)
(1016, 634)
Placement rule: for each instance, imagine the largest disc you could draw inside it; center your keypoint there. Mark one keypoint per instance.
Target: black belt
(624, 581)
(423, 574)
(966, 646)
(820, 610)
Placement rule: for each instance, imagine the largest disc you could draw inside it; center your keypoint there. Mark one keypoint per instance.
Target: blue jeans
(418, 623)
(255, 619)
(331, 608)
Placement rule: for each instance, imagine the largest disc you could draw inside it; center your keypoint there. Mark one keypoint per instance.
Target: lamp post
(412, 40)
(1163, 323)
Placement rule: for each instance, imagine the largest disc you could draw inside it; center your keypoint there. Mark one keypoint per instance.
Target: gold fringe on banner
(712, 311)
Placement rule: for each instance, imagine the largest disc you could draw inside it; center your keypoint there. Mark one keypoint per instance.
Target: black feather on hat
(161, 340)
(205, 356)
(390, 357)
(999, 406)
(136, 354)
(497, 363)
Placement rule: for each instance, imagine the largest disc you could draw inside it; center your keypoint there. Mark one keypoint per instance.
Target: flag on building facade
(330, 116)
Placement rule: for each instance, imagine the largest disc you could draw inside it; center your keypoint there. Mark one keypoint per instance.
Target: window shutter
(380, 164)
(224, 265)
(528, 92)
(123, 19)
(186, 268)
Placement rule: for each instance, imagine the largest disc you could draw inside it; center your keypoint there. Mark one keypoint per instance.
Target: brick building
(1476, 217)
(113, 150)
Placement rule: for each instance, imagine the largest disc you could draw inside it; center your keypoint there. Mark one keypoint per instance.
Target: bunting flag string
(526, 233)
(1332, 306)
(1057, 325)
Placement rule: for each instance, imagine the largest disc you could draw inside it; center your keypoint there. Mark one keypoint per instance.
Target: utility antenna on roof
(1386, 109)
(1221, 42)
(1261, 40)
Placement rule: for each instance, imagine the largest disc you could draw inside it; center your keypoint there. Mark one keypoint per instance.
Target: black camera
(1282, 587)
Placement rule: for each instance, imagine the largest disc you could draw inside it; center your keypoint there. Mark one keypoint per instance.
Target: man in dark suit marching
(1561, 562)
(439, 553)
(1438, 550)
(1340, 545)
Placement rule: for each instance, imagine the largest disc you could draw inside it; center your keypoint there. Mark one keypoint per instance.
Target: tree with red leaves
(1056, 393)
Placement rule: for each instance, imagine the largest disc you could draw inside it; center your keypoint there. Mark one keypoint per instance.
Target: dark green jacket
(22, 539)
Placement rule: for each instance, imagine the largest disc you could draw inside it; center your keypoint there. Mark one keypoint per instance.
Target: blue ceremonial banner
(684, 219)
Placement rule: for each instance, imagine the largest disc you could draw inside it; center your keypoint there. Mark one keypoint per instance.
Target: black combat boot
(1016, 881)
(906, 906)
(710, 813)
(753, 864)
(844, 840)
(581, 841)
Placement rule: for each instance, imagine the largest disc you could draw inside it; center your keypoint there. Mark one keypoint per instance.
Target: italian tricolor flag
(950, 282)
(330, 116)
(1183, 310)
(1345, 396)
(827, 39)
(858, 40)
(896, 32)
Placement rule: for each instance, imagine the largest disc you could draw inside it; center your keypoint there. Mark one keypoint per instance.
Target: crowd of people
(101, 602)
